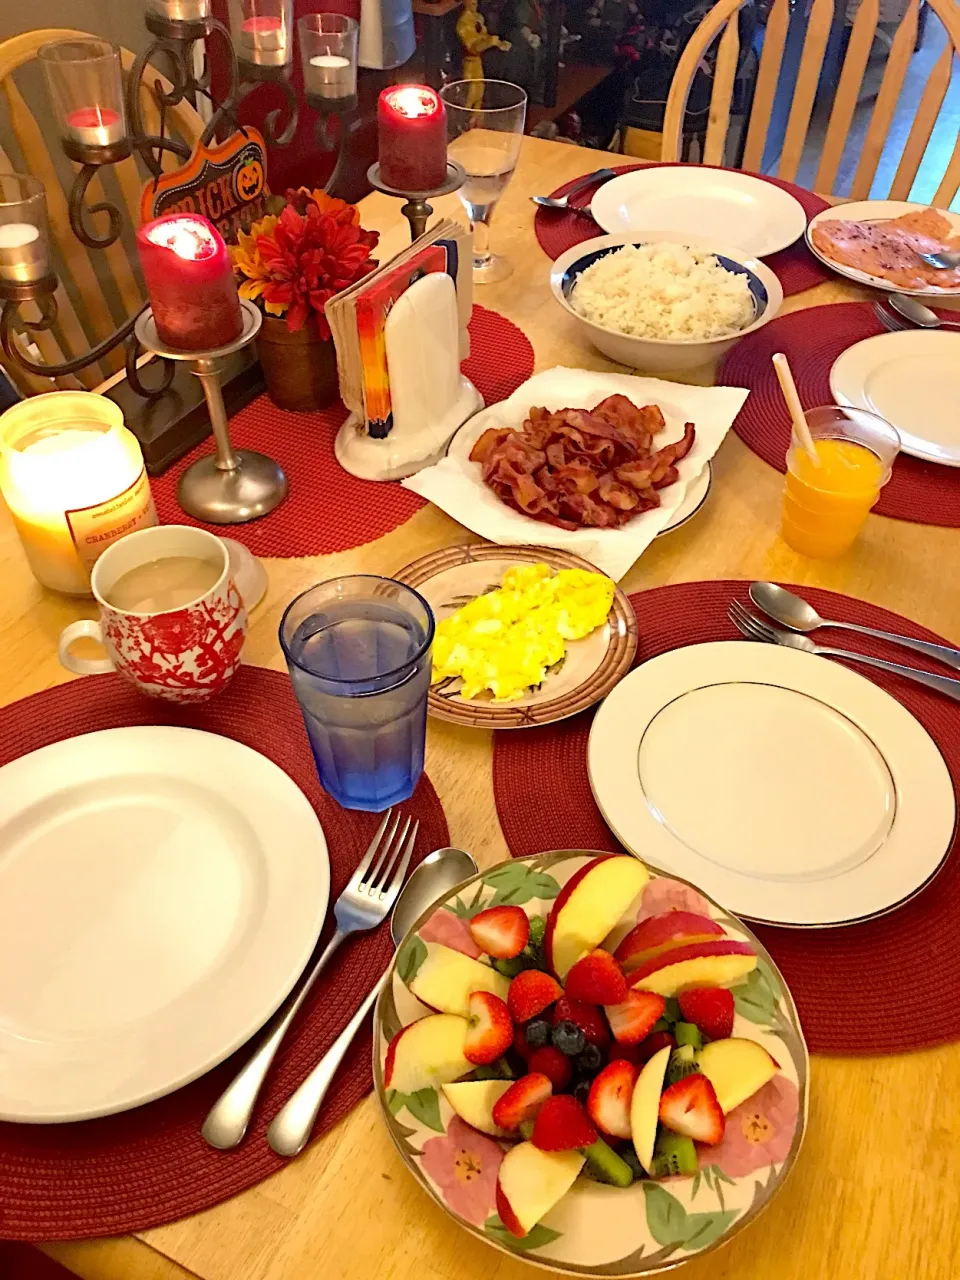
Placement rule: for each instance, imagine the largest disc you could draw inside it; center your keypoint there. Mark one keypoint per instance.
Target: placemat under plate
(327, 509)
(870, 988)
(149, 1166)
(795, 267)
(923, 492)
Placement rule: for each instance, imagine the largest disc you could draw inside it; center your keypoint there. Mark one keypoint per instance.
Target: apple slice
(530, 1182)
(446, 979)
(660, 933)
(426, 1054)
(701, 964)
(473, 1101)
(588, 907)
(645, 1106)
(736, 1068)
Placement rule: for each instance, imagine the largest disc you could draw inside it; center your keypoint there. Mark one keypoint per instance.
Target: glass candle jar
(74, 480)
(86, 91)
(328, 54)
(262, 31)
(23, 228)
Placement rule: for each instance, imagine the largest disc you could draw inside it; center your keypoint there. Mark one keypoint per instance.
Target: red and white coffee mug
(186, 654)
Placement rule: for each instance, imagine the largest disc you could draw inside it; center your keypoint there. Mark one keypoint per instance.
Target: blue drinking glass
(358, 653)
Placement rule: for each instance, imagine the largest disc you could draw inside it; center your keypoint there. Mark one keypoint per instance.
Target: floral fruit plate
(576, 1168)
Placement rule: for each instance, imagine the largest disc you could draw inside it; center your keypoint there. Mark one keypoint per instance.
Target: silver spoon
(918, 314)
(562, 203)
(436, 875)
(796, 615)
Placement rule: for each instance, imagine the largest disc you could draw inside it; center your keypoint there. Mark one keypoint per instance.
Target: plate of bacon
(879, 242)
(594, 463)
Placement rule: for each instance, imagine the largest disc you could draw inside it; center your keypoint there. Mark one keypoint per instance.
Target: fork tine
(890, 321)
(371, 850)
(747, 624)
(378, 880)
(372, 875)
(388, 894)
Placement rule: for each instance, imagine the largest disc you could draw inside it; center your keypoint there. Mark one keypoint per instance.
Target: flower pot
(300, 368)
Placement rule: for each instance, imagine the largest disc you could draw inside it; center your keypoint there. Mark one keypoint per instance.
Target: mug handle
(82, 666)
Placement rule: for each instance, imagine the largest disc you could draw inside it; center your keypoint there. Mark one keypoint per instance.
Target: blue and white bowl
(664, 355)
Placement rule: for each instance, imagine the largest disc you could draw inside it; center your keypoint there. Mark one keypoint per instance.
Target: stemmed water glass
(485, 123)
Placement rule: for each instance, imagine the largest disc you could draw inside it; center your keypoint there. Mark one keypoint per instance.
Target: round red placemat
(795, 267)
(870, 988)
(328, 509)
(812, 340)
(149, 1166)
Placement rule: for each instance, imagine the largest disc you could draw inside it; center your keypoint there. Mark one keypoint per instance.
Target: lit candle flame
(187, 238)
(412, 101)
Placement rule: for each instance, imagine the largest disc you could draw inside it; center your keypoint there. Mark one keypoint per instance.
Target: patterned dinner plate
(590, 668)
(599, 1230)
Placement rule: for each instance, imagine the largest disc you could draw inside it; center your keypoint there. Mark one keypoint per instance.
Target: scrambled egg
(505, 640)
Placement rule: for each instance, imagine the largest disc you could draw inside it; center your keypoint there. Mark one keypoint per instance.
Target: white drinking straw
(789, 389)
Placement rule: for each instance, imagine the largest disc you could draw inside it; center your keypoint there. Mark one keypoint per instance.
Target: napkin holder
(430, 397)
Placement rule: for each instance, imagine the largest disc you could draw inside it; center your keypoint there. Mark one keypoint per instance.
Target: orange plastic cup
(825, 506)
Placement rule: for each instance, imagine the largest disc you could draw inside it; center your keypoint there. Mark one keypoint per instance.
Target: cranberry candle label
(226, 183)
(94, 528)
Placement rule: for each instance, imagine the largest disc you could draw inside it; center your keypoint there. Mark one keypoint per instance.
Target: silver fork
(754, 629)
(949, 260)
(364, 903)
(891, 321)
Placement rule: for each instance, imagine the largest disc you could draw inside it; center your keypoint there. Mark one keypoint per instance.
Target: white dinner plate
(160, 891)
(874, 211)
(913, 380)
(788, 787)
(730, 207)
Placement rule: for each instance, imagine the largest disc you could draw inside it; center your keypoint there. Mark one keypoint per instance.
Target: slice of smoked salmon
(891, 250)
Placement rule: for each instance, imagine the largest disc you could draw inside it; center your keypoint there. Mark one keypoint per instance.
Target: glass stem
(481, 241)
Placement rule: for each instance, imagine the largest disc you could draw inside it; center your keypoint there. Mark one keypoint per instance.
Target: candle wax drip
(188, 239)
(413, 102)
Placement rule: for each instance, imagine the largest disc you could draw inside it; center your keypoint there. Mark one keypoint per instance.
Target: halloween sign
(225, 183)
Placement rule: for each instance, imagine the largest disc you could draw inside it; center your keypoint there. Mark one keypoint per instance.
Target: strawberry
(653, 1044)
(631, 1019)
(690, 1107)
(587, 1017)
(710, 1008)
(562, 1125)
(501, 931)
(597, 979)
(530, 993)
(608, 1102)
(521, 1101)
(490, 1030)
(521, 1045)
(553, 1064)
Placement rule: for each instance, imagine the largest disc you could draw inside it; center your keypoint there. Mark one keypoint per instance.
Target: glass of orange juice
(825, 504)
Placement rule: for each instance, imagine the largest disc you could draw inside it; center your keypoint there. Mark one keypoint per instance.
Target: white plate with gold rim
(790, 788)
(161, 889)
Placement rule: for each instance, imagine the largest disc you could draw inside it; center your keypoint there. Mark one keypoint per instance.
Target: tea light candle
(74, 480)
(190, 282)
(95, 126)
(23, 252)
(412, 127)
(330, 76)
(263, 41)
(182, 10)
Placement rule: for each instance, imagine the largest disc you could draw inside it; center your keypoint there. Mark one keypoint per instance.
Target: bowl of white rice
(664, 303)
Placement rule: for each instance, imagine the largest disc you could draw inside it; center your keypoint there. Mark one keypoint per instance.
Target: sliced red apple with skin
(701, 964)
(588, 907)
(426, 1054)
(645, 1106)
(736, 1068)
(473, 1101)
(446, 978)
(657, 934)
(530, 1182)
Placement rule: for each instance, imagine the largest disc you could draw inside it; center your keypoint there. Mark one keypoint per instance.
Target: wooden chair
(819, 24)
(99, 288)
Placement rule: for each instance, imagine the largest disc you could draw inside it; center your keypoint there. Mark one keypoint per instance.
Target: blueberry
(589, 1061)
(581, 1091)
(629, 1157)
(569, 1038)
(538, 1033)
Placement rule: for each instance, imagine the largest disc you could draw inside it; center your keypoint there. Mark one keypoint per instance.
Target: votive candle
(190, 282)
(95, 126)
(412, 128)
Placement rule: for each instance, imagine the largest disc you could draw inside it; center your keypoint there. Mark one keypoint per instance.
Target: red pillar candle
(190, 282)
(412, 125)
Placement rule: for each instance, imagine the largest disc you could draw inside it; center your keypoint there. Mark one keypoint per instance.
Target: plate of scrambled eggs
(525, 635)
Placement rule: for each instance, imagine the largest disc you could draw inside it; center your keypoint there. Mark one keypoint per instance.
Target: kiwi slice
(674, 1156)
(688, 1033)
(671, 1012)
(604, 1165)
(526, 1129)
(499, 1070)
(682, 1062)
(538, 929)
(509, 968)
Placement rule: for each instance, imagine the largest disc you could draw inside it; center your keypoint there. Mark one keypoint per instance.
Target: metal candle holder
(229, 486)
(416, 210)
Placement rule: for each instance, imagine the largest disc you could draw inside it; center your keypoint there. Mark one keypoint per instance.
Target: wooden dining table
(875, 1194)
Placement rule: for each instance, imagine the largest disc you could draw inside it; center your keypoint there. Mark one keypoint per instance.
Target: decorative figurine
(476, 40)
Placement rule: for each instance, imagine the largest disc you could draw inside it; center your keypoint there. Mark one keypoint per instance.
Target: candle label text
(94, 528)
(226, 183)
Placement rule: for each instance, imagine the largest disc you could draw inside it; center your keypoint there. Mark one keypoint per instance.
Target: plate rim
(615, 663)
(318, 867)
(749, 1216)
(896, 772)
(697, 173)
(844, 398)
(863, 277)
